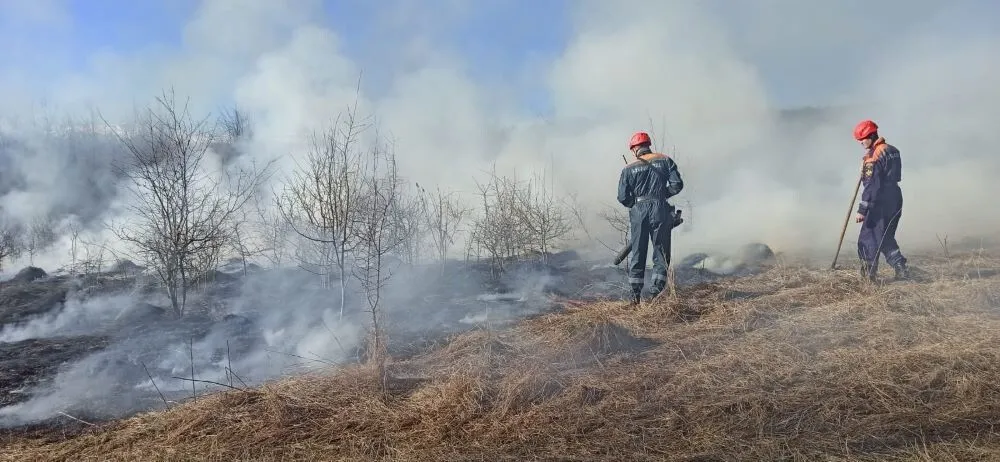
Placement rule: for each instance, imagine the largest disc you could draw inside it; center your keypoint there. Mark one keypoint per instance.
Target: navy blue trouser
(878, 232)
(649, 220)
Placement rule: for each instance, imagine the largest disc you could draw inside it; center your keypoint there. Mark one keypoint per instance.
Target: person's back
(644, 187)
(883, 165)
(889, 160)
(652, 175)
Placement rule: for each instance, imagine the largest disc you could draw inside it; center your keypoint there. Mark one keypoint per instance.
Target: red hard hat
(639, 138)
(864, 129)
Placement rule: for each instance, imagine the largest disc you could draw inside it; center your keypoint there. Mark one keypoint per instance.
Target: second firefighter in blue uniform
(881, 203)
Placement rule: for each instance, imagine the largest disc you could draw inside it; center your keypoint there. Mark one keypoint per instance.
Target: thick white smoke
(711, 77)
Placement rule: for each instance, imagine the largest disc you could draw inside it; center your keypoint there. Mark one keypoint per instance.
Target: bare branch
(617, 218)
(11, 239)
(183, 212)
(518, 218)
(323, 202)
(236, 124)
(377, 240)
(40, 235)
(444, 214)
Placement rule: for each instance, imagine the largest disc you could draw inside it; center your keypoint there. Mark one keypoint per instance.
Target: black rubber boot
(636, 294)
(866, 272)
(902, 272)
(657, 289)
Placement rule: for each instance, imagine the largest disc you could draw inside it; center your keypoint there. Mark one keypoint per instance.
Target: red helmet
(864, 129)
(639, 138)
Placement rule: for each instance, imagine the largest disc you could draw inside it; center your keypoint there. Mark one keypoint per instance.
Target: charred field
(789, 363)
(77, 350)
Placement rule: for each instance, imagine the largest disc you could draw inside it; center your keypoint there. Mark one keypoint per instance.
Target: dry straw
(792, 364)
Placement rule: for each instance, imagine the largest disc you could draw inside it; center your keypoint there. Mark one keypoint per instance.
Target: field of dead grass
(792, 364)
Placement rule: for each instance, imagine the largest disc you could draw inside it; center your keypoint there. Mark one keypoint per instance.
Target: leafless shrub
(617, 219)
(518, 218)
(203, 264)
(11, 240)
(545, 217)
(496, 229)
(92, 258)
(407, 227)
(376, 240)
(317, 255)
(443, 214)
(236, 124)
(323, 202)
(73, 230)
(273, 232)
(578, 212)
(250, 238)
(183, 211)
(40, 235)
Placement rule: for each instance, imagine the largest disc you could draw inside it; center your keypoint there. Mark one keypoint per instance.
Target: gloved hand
(677, 219)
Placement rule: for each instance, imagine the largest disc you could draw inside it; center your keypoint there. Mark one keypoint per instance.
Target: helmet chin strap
(643, 150)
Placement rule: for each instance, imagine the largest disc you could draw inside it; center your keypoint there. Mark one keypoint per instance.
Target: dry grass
(792, 364)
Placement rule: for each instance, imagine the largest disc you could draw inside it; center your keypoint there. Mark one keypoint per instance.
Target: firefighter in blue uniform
(881, 203)
(644, 187)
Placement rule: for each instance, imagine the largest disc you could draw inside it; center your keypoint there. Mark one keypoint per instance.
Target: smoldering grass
(811, 365)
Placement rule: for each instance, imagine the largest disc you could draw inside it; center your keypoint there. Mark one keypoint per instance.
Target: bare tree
(247, 239)
(498, 229)
(40, 235)
(444, 213)
(323, 201)
(518, 218)
(487, 230)
(545, 218)
(11, 240)
(273, 231)
(618, 220)
(236, 124)
(93, 256)
(377, 241)
(407, 227)
(73, 230)
(202, 266)
(182, 210)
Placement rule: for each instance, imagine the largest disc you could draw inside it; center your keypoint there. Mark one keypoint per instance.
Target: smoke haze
(708, 78)
(709, 75)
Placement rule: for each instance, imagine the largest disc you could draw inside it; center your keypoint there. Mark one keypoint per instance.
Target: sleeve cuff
(862, 207)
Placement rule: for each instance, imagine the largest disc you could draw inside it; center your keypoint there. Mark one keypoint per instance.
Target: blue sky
(126, 26)
(497, 39)
(120, 25)
(494, 39)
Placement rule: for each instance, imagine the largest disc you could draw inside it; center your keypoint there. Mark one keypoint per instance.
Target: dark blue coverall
(644, 187)
(882, 206)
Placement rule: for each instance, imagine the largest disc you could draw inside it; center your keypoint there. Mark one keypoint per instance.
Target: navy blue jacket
(881, 173)
(640, 180)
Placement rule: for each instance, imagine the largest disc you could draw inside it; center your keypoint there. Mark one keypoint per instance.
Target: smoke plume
(720, 85)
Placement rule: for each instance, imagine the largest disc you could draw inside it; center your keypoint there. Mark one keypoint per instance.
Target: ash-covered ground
(83, 349)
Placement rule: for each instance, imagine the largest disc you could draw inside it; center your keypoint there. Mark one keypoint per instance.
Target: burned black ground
(141, 339)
